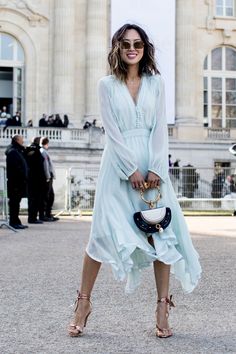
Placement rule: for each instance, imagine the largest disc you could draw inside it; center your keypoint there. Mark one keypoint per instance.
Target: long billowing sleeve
(122, 158)
(158, 141)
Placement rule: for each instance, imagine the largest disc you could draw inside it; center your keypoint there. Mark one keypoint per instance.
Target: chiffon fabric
(137, 138)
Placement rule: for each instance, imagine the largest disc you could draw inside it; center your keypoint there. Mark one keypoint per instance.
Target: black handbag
(153, 219)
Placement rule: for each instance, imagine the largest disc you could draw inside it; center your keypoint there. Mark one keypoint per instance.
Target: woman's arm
(158, 141)
(122, 158)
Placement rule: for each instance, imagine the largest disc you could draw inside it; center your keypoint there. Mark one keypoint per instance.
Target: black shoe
(234, 213)
(18, 226)
(55, 218)
(35, 222)
(45, 218)
(15, 226)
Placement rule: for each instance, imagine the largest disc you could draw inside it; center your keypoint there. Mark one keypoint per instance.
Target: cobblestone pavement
(39, 274)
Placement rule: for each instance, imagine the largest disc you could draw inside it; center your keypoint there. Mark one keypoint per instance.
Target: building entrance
(11, 76)
(6, 89)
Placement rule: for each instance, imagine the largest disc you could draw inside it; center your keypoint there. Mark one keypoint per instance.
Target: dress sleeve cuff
(162, 176)
(130, 173)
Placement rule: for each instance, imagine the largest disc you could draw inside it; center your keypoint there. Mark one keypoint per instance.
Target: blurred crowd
(7, 120)
(53, 120)
(88, 125)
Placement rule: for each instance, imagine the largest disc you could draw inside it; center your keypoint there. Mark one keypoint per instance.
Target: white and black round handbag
(153, 219)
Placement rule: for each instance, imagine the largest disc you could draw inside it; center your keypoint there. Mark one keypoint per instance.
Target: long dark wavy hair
(147, 64)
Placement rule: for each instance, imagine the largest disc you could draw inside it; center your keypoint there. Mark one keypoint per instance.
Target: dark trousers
(47, 200)
(35, 196)
(14, 209)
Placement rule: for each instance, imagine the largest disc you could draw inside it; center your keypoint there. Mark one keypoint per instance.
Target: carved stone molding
(25, 8)
(208, 2)
(210, 24)
(227, 34)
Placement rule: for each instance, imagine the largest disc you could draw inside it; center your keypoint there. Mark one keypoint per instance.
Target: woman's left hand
(153, 180)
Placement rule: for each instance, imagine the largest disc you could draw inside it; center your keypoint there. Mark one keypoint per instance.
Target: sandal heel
(165, 332)
(74, 330)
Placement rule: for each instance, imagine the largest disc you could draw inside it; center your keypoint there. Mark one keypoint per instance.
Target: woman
(133, 113)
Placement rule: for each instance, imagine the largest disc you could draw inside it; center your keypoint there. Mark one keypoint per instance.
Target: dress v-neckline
(135, 101)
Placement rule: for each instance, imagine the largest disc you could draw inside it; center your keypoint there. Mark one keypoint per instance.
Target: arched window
(220, 88)
(12, 61)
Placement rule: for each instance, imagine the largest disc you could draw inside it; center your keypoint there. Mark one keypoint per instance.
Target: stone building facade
(59, 51)
(64, 46)
(205, 124)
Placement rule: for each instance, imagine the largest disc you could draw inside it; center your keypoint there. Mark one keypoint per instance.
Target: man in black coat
(43, 122)
(17, 174)
(36, 180)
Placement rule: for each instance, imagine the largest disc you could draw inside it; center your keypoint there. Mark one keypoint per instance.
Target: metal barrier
(196, 188)
(79, 189)
(205, 188)
(4, 200)
(82, 186)
(199, 189)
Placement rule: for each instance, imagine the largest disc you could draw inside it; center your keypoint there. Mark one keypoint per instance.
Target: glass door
(18, 90)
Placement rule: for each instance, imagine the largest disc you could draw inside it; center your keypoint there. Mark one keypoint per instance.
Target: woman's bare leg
(89, 275)
(162, 277)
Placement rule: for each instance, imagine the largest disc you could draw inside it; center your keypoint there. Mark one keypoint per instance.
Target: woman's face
(131, 47)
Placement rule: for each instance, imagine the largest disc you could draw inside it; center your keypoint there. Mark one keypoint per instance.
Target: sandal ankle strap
(81, 297)
(165, 300)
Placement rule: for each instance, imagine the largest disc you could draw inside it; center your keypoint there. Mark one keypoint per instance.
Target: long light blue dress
(137, 138)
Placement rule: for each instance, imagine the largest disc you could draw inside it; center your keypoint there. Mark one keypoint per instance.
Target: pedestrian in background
(170, 162)
(176, 168)
(190, 180)
(14, 121)
(43, 121)
(217, 184)
(29, 123)
(17, 176)
(36, 180)
(133, 112)
(58, 122)
(48, 193)
(5, 118)
(233, 191)
(65, 121)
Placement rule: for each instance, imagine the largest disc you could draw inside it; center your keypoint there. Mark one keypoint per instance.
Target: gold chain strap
(151, 203)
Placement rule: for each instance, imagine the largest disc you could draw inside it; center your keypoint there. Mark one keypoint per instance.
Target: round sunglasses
(126, 44)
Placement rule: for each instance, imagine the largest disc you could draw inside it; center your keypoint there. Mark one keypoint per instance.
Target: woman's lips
(131, 55)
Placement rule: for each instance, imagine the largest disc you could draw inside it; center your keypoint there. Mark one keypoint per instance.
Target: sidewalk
(40, 269)
(224, 226)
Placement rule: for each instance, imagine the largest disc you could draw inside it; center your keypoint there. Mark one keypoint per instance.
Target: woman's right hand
(137, 180)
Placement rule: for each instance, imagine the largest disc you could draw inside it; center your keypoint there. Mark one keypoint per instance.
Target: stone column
(63, 63)
(186, 57)
(80, 60)
(98, 35)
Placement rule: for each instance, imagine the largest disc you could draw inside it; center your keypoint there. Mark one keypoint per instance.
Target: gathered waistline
(136, 132)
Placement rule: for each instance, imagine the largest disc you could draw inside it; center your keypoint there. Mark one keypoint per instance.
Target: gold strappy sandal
(165, 332)
(74, 330)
